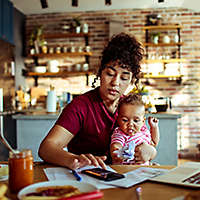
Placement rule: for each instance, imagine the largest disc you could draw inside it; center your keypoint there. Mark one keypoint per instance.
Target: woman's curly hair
(124, 49)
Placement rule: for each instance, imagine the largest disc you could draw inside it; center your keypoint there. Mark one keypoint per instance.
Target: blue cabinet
(1, 11)
(6, 21)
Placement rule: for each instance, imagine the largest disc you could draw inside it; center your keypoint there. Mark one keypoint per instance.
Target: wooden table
(151, 190)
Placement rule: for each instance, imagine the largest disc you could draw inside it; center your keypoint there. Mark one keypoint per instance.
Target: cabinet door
(7, 21)
(1, 18)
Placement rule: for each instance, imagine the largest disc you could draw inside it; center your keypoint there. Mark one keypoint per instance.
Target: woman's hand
(82, 160)
(144, 152)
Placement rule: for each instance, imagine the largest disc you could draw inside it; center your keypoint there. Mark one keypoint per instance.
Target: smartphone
(103, 174)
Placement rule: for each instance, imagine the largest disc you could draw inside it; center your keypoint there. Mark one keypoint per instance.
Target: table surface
(151, 190)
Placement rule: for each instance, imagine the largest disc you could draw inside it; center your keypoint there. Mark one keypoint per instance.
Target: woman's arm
(51, 150)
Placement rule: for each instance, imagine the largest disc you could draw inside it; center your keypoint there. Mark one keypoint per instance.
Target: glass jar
(20, 169)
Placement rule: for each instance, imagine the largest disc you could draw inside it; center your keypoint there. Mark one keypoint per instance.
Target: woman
(86, 124)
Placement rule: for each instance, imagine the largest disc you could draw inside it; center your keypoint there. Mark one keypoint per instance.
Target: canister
(51, 101)
(85, 28)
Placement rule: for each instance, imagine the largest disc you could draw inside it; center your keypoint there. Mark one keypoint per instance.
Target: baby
(131, 130)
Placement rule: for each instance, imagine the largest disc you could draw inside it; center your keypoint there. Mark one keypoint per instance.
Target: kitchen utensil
(40, 69)
(51, 101)
(3, 139)
(1, 125)
(53, 66)
(166, 39)
(162, 103)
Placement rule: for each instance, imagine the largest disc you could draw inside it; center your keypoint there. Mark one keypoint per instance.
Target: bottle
(85, 28)
(166, 39)
(21, 172)
(176, 38)
(51, 103)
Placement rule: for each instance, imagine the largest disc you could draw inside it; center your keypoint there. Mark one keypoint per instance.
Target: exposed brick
(133, 20)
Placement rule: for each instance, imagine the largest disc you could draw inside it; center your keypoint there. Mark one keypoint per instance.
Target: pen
(76, 175)
(139, 193)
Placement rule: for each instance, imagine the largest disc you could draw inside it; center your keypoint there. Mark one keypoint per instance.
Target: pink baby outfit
(119, 136)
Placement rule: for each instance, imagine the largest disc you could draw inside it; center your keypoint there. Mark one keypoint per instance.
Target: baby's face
(131, 118)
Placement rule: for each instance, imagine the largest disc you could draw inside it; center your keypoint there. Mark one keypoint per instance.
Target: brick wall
(185, 96)
(6, 80)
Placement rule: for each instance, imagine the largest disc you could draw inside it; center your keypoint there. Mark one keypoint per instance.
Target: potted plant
(155, 37)
(76, 24)
(37, 40)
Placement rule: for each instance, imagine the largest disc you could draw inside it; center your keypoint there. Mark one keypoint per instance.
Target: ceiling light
(74, 3)
(44, 3)
(108, 2)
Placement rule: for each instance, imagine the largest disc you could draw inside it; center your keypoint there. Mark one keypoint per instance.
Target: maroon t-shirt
(91, 123)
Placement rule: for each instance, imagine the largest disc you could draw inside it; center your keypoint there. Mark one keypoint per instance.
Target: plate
(3, 172)
(82, 186)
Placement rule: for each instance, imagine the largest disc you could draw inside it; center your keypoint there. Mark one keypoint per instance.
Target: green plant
(155, 34)
(141, 90)
(37, 35)
(76, 21)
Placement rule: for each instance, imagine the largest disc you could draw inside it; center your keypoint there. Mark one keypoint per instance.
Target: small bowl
(40, 69)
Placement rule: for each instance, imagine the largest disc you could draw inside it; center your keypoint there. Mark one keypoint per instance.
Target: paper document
(131, 178)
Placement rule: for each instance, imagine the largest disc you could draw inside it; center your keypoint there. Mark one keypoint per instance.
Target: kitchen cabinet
(31, 130)
(167, 150)
(50, 56)
(33, 127)
(6, 21)
(168, 44)
(9, 132)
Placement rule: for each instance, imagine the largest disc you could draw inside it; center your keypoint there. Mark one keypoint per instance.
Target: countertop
(35, 115)
(42, 114)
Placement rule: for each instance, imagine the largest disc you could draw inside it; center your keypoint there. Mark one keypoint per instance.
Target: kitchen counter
(33, 126)
(42, 114)
(36, 115)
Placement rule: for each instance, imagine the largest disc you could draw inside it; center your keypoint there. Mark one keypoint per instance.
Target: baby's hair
(133, 99)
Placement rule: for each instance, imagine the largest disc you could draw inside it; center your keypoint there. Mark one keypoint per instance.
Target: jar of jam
(20, 169)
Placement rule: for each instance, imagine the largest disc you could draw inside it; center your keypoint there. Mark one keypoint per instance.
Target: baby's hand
(116, 158)
(153, 122)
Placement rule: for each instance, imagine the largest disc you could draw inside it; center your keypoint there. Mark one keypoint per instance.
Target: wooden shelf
(162, 76)
(163, 44)
(175, 60)
(64, 35)
(60, 55)
(58, 74)
(161, 27)
(36, 57)
(7, 76)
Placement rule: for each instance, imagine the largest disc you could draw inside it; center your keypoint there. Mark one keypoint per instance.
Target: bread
(3, 189)
(195, 195)
(52, 192)
(3, 170)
